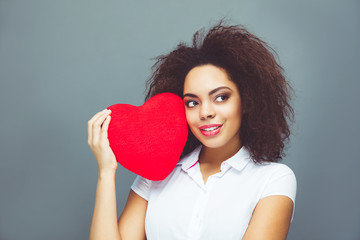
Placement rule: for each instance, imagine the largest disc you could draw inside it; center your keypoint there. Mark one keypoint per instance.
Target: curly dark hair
(251, 65)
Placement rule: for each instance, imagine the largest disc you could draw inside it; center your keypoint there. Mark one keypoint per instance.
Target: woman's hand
(99, 143)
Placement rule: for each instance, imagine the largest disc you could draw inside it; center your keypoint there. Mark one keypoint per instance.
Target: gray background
(63, 61)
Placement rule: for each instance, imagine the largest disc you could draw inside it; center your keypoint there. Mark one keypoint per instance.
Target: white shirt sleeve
(281, 182)
(141, 186)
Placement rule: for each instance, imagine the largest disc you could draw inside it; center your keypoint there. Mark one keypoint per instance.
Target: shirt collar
(238, 161)
(190, 159)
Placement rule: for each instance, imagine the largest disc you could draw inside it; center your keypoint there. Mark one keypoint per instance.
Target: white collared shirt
(183, 207)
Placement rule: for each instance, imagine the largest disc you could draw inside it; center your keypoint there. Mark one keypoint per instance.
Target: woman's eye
(221, 98)
(191, 103)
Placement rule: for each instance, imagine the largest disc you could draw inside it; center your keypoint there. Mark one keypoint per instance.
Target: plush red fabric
(148, 140)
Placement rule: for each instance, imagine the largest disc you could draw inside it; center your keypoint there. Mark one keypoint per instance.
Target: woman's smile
(210, 129)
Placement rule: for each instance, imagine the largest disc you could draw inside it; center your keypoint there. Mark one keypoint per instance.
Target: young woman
(227, 184)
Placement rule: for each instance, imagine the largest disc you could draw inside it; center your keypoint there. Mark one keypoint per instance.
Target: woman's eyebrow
(217, 89)
(210, 93)
(190, 95)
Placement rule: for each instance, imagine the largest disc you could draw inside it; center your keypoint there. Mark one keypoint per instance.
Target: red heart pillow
(148, 140)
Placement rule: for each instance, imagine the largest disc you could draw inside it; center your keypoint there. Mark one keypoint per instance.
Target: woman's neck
(215, 156)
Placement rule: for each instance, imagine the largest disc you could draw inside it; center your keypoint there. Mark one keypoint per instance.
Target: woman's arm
(131, 223)
(271, 219)
(104, 223)
(132, 220)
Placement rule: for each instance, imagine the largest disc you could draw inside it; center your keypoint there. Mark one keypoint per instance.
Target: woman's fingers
(98, 141)
(94, 126)
(104, 129)
(90, 126)
(96, 130)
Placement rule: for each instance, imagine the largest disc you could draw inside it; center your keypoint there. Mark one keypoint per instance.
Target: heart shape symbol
(148, 140)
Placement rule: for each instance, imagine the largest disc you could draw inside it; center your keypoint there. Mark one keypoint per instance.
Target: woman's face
(212, 106)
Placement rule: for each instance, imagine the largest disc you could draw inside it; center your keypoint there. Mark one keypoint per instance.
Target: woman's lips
(210, 130)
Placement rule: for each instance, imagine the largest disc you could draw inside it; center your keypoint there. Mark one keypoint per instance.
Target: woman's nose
(206, 111)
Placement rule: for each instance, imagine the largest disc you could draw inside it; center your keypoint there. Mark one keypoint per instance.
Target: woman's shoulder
(271, 169)
(265, 168)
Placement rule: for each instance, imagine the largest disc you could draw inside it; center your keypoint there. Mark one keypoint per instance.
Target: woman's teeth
(210, 129)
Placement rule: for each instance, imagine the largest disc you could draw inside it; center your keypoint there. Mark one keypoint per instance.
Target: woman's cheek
(188, 116)
(191, 120)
